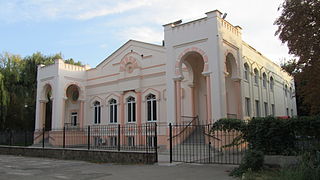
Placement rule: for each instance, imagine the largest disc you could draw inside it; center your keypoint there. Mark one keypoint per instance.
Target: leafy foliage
(252, 161)
(226, 124)
(299, 28)
(18, 88)
(275, 136)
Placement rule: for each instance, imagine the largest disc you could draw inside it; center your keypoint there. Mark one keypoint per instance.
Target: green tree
(18, 88)
(299, 28)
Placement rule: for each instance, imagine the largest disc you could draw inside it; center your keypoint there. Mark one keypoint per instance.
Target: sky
(90, 30)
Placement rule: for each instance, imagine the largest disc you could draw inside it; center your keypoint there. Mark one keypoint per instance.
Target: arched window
(113, 110)
(256, 77)
(97, 112)
(151, 107)
(286, 90)
(271, 83)
(246, 71)
(131, 111)
(264, 80)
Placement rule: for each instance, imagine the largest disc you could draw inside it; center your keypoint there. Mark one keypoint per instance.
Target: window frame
(97, 112)
(152, 102)
(257, 107)
(266, 110)
(113, 111)
(256, 77)
(73, 115)
(247, 107)
(246, 72)
(264, 80)
(131, 109)
(271, 83)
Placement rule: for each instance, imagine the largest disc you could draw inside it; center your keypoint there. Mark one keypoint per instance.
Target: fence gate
(199, 144)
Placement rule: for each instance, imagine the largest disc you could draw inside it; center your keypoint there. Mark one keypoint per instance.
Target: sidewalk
(27, 168)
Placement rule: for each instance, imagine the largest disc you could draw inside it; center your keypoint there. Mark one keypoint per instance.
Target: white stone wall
(142, 68)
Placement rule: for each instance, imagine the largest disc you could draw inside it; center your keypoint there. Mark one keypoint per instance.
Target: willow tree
(18, 88)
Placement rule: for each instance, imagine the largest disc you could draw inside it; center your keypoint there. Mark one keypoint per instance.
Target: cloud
(146, 34)
(71, 9)
(142, 19)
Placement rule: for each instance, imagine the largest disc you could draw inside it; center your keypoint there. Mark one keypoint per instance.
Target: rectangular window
(151, 141)
(74, 118)
(257, 108)
(113, 141)
(154, 110)
(134, 112)
(95, 115)
(129, 112)
(266, 109)
(287, 112)
(99, 114)
(273, 110)
(247, 106)
(113, 113)
(149, 110)
(131, 141)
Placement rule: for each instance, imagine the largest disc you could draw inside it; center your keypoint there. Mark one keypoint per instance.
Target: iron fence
(194, 143)
(129, 137)
(16, 137)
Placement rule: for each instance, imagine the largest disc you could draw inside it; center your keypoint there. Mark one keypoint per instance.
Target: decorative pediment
(128, 64)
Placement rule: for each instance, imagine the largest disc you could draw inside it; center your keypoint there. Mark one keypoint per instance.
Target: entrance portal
(194, 88)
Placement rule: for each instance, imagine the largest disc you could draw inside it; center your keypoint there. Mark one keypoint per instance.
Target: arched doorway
(47, 96)
(194, 88)
(72, 107)
(231, 87)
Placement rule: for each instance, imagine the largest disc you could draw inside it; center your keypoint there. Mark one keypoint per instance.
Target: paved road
(17, 167)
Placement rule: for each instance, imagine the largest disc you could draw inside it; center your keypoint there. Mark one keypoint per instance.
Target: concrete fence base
(281, 161)
(124, 157)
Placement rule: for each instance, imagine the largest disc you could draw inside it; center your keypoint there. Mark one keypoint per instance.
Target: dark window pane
(134, 112)
(95, 115)
(115, 114)
(154, 110)
(111, 113)
(99, 114)
(129, 112)
(149, 110)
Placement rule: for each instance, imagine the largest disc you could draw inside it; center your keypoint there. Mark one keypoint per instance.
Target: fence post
(209, 150)
(156, 142)
(170, 141)
(88, 137)
(147, 145)
(43, 137)
(64, 137)
(11, 137)
(25, 137)
(118, 139)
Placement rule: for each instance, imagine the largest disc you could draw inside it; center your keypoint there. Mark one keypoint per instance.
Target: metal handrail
(194, 118)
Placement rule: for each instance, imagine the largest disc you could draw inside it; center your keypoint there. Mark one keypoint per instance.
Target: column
(192, 100)
(208, 100)
(42, 114)
(138, 92)
(178, 100)
(237, 85)
(122, 107)
(81, 113)
(63, 111)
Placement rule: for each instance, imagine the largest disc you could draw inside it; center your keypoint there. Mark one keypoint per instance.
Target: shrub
(270, 135)
(306, 170)
(252, 161)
